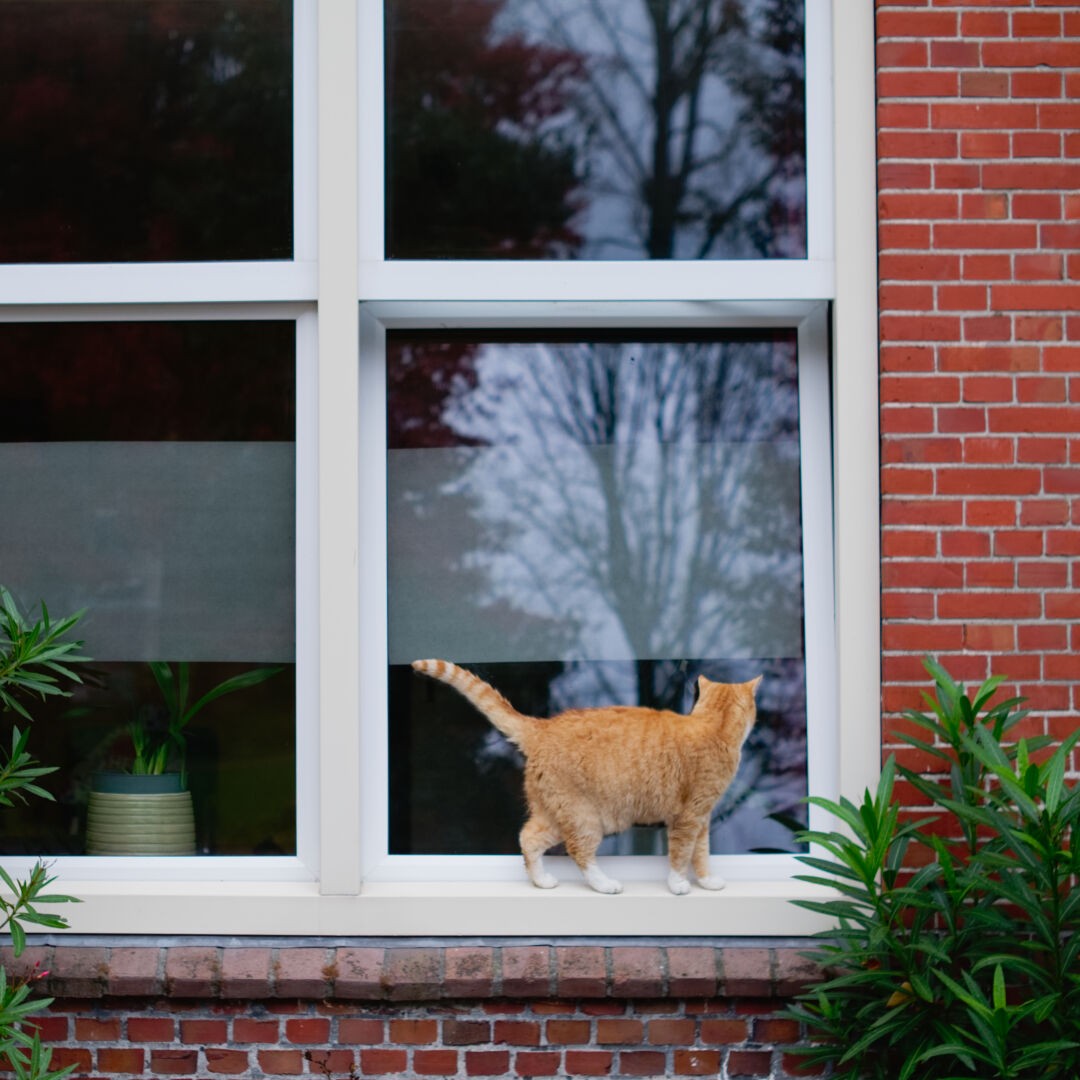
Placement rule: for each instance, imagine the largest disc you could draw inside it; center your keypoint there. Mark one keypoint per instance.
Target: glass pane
(150, 478)
(140, 130)
(590, 521)
(596, 129)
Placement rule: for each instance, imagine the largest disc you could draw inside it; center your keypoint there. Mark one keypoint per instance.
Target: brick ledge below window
(415, 972)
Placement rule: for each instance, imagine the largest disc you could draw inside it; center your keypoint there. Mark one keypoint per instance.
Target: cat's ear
(754, 684)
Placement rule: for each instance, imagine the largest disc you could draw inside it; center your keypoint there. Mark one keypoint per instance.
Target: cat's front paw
(596, 879)
(545, 881)
(713, 881)
(678, 883)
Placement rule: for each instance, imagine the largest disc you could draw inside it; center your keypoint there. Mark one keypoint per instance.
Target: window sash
(811, 319)
(749, 279)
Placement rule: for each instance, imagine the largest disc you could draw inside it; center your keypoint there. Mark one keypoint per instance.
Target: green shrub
(35, 661)
(955, 948)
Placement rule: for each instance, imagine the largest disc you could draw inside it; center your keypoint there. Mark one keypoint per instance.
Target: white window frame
(330, 887)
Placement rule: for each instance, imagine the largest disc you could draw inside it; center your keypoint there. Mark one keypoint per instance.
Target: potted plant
(148, 810)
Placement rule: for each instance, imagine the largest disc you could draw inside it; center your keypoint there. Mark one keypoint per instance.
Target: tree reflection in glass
(596, 129)
(587, 522)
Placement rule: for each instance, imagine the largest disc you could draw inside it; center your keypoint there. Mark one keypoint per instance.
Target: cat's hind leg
(538, 835)
(706, 879)
(683, 840)
(582, 840)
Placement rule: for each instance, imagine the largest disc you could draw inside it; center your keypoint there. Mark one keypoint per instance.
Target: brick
(121, 1060)
(413, 1032)
(691, 972)
(246, 973)
(696, 1062)
(413, 974)
(203, 1031)
(329, 1062)
(176, 1062)
(754, 1063)
(151, 1029)
(382, 1062)
(517, 1032)
(248, 1030)
(641, 1063)
(469, 972)
(226, 1062)
(624, 1032)
(76, 1058)
(970, 480)
(917, 24)
(526, 971)
(307, 1031)
(536, 1063)
(487, 1062)
(435, 1062)
(984, 84)
(794, 973)
(564, 1032)
(904, 234)
(78, 972)
(588, 1062)
(361, 1030)
(964, 358)
(466, 1032)
(134, 971)
(302, 973)
(637, 971)
(983, 115)
(359, 973)
(716, 1032)
(90, 1029)
(192, 971)
(581, 971)
(671, 1032)
(989, 605)
(747, 972)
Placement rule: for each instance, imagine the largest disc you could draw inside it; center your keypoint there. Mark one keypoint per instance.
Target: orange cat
(591, 772)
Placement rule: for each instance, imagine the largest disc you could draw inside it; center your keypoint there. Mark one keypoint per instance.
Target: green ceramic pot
(139, 815)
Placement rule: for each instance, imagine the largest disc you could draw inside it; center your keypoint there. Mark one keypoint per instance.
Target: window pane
(150, 477)
(145, 130)
(596, 129)
(589, 521)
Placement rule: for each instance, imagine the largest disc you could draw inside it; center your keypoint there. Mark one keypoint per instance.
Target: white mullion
(371, 191)
(339, 640)
(820, 208)
(855, 399)
(819, 612)
(305, 129)
(374, 650)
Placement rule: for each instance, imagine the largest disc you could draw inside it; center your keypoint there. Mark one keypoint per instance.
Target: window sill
(407, 909)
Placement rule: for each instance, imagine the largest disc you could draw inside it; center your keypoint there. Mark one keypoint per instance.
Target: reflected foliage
(678, 127)
(585, 514)
(471, 170)
(145, 130)
(147, 381)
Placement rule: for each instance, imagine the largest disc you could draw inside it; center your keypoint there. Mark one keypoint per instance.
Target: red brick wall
(461, 1011)
(979, 206)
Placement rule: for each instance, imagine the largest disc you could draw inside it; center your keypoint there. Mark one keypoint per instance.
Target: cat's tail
(484, 697)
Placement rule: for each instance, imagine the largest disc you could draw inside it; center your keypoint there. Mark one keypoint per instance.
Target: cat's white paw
(713, 881)
(545, 881)
(678, 883)
(596, 879)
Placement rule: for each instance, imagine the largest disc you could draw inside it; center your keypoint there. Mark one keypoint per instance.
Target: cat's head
(734, 700)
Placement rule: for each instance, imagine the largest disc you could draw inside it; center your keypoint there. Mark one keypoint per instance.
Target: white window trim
(329, 896)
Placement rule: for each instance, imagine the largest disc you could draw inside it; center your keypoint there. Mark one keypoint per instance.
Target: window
(394, 347)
